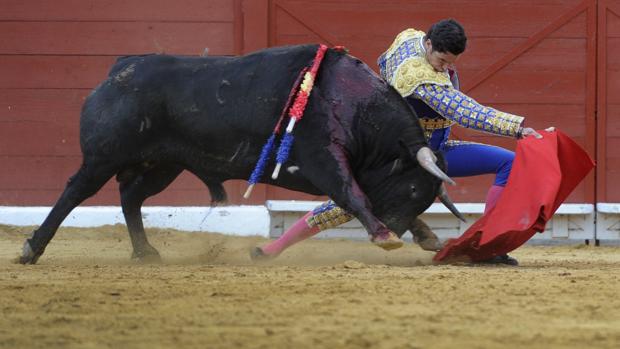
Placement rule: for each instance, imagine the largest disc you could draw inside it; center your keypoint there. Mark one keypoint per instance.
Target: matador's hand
(528, 131)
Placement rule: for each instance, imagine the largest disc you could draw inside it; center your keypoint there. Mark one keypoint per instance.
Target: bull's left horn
(427, 159)
(446, 201)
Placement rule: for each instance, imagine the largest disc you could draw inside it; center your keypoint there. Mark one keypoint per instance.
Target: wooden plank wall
(608, 189)
(52, 53)
(534, 58)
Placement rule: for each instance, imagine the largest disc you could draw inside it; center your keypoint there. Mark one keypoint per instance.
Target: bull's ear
(397, 167)
(399, 163)
(405, 153)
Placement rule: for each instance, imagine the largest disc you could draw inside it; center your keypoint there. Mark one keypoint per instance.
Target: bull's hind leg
(133, 194)
(85, 183)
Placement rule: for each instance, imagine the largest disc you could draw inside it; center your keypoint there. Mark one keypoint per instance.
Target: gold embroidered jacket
(405, 67)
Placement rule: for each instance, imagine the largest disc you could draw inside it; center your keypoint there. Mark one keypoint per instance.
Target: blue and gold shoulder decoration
(404, 66)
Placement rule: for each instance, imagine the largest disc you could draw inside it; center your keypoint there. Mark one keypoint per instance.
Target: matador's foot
(258, 255)
(387, 241)
(503, 259)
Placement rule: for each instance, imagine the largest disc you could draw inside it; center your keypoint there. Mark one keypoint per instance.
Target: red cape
(544, 172)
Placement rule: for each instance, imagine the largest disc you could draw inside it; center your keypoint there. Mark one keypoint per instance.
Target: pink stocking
(492, 197)
(296, 233)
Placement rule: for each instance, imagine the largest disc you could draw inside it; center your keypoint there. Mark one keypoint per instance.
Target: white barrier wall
(608, 221)
(571, 221)
(234, 220)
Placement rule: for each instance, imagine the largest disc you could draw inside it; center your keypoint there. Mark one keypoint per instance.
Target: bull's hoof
(147, 256)
(503, 259)
(429, 244)
(424, 236)
(258, 255)
(28, 255)
(387, 241)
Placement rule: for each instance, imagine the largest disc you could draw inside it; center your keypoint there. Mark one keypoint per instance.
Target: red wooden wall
(53, 52)
(608, 111)
(537, 58)
(532, 58)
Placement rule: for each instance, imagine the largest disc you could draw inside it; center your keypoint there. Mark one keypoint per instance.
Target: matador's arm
(467, 112)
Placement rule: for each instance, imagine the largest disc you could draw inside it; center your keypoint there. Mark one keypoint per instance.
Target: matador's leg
(325, 216)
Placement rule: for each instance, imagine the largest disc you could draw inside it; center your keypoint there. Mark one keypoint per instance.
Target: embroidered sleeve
(464, 110)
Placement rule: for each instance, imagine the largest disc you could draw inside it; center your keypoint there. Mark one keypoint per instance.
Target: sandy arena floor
(86, 293)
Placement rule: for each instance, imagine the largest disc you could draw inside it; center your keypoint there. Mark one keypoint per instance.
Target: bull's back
(232, 97)
(199, 100)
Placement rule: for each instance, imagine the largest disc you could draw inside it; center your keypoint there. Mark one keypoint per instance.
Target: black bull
(157, 115)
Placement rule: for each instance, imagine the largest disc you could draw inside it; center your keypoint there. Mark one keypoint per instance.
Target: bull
(157, 115)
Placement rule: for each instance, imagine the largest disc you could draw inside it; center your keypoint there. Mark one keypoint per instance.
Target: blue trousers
(471, 159)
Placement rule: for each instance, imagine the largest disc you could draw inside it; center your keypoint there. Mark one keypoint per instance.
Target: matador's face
(440, 61)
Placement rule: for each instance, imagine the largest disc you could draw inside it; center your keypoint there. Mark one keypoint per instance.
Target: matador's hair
(447, 35)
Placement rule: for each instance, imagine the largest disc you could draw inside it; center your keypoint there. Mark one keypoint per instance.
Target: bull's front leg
(355, 202)
(424, 236)
(331, 173)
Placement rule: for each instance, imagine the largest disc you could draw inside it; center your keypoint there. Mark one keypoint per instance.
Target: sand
(85, 292)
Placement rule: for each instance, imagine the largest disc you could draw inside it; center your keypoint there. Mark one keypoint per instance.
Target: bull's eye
(412, 189)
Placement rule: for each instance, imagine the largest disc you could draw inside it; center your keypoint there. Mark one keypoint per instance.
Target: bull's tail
(217, 192)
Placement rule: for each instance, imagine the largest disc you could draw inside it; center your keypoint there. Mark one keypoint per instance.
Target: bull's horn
(427, 159)
(445, 199)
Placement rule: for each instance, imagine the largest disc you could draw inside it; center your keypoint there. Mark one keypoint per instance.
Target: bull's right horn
(446, 201)
(427, 159)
